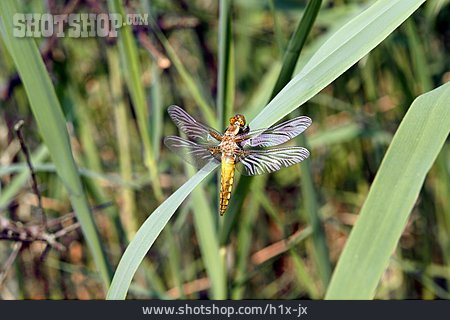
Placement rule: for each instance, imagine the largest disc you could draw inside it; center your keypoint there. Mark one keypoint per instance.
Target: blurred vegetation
(114, 93)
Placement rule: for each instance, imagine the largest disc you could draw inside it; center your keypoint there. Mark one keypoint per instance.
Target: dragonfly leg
(243, 135)
(214, 150)
(216, 136)
(240, 153)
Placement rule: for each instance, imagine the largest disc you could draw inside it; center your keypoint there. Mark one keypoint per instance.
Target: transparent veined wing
(255, 162)
(275, 135)
(191, 152)
(194, 130)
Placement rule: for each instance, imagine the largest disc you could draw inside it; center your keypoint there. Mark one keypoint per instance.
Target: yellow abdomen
(226, 182)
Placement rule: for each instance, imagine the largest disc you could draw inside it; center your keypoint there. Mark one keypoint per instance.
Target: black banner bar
(243, 309)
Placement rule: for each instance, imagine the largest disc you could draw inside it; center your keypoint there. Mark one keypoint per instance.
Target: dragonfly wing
(191, 152)
(192, 128)
(255, 162)
(276, 135)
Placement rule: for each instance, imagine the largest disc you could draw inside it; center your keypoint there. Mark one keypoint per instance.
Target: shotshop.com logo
(73, 25)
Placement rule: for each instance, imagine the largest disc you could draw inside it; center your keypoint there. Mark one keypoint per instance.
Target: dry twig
(162, 61)
(17, 128)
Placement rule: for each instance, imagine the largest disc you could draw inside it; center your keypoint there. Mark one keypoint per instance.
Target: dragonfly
(237, 146)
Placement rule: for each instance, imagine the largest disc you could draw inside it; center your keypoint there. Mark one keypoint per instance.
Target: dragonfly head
(238, 120)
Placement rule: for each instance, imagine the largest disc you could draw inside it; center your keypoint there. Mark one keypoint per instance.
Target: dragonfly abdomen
(226, 182)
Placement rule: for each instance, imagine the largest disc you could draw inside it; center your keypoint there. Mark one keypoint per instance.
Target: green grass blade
(418, 56)
(174, 257)
(50, 119)
(311, 207)
(303, 276)
(225, 77)
(84, 129)
(391, 198)
(147, 234)
(296, 44)
(157, 116)
(244, 238)
(132, 69)
(442, 200)
(121, 120)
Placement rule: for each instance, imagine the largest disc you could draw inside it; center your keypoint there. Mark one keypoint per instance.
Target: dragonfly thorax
(232, 130)
(228, 146)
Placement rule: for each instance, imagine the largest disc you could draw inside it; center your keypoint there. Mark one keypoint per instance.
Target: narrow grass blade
(84, 128)
(174, 256)
(157, 117)
(303, 276)
(132, 69)
(50, 119)
(391, 198)
(225, 77)
(442, 201)
(244, 239)
(121, 120)
(147, 234)
(418, 56)
(310, 206)
(296, 44)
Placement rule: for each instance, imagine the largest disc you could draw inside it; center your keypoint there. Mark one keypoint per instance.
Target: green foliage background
(368, 211)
